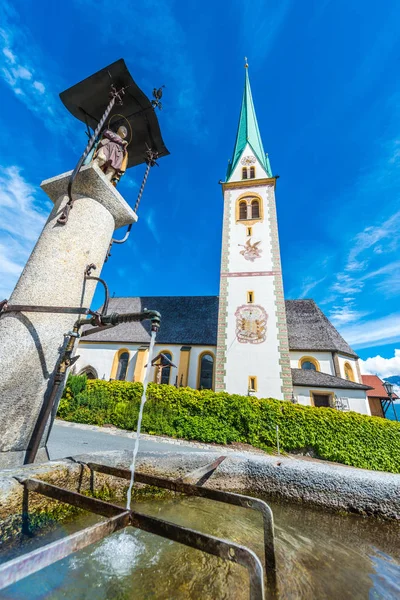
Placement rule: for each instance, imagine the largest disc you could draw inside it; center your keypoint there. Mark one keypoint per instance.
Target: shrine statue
(111, 153)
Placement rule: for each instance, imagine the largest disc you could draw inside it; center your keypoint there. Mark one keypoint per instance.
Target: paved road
(70, 439)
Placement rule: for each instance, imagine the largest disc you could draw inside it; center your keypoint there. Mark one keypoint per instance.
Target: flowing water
(319, 555)
(139, 423)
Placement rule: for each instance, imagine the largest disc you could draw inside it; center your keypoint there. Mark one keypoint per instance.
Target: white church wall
(194, 366)
(352, 362)
(357, 398)
(101, 356)
(324, 359)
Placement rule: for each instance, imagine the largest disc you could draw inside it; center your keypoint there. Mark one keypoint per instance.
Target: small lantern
(389, 388)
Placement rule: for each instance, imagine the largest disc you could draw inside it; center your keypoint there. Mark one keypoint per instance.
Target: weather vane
(245, 62)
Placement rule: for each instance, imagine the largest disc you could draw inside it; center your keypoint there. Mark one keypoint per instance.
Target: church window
(206, 371)
(250, 297)
(255, 209)
(252, 172)
(309, 363)
(249, 231)
(243, 210)
(244, 173)
(122, 366)
(348, 372)
(252, 383)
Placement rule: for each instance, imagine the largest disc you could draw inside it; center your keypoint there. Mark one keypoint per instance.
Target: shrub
(206, 416)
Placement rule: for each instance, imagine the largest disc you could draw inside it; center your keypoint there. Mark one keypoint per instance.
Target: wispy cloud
(383, 367)
(150, 221)
(373, 332)
(21, 220)
(22, 69)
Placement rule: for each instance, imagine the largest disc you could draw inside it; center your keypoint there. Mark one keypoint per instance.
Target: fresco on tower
(251, 324)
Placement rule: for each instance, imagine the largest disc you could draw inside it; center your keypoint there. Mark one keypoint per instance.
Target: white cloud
(383, 367)
(23, 68)
(21, 220)
(9, 55)
(38, 85)
(372, 332)
(341, 315)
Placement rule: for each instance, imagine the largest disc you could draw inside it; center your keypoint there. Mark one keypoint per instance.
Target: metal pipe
(67, 361)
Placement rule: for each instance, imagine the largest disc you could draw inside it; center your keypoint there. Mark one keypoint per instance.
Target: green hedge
(206, 416)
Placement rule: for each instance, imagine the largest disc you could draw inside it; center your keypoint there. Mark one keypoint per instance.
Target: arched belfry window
(122, 369)
(249, 208)
(206, 371)
(243, 210)
(252, 172)
(244, 173)
(255, 209)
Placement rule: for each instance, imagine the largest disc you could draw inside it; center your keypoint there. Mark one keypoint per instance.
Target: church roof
(309, 329)
(248, 132)
(194, 320)
(184, 320)
(376, 390)
(324, 380)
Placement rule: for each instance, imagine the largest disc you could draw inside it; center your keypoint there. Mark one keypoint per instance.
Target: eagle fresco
(251, 251)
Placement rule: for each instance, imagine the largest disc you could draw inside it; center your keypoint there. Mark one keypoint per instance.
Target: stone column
(30, 343)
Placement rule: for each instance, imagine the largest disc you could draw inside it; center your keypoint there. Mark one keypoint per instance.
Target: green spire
(248, 131)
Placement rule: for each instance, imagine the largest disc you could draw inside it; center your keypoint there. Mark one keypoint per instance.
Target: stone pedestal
(30, 343)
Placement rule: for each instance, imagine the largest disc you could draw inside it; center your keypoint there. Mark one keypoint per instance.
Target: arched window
(348, 372)
(244, 173)
(206, 371)
(255, 209)
(249, 208)
(122, 366)
(90, 372)
(309, 363)
(242, 210)
(252, 172)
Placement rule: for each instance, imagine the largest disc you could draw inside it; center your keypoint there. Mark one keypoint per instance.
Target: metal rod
(65, 362)
(38, 559)
(32, 562)
(99, 507)
(209, 544)
(80, 310)
(63, 218)
(211, 494)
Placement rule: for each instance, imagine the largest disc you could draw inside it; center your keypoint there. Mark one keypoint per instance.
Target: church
(248, 340)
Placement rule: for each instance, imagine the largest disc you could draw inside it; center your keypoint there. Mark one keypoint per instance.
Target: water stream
(320, 556)
(139, 423)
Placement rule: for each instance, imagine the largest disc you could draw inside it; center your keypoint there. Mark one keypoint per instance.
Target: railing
(118, 518)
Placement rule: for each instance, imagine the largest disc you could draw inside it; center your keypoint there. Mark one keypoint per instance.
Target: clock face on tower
(248, 160)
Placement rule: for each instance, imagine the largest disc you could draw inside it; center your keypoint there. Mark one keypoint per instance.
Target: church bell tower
(252, 347)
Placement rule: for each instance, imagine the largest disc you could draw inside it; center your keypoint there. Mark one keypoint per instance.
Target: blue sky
(325, 83)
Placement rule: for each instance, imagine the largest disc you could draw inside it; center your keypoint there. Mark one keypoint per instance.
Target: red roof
(378, 390)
